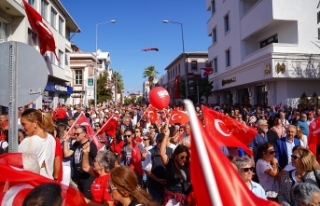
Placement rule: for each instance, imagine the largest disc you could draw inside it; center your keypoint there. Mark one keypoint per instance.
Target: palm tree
(150, 73)
(117, 78)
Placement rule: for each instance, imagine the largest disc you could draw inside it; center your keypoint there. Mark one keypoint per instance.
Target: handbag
(186, 187)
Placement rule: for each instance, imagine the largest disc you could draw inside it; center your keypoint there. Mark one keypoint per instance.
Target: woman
(245, 167)
(39, 142)
(278, 127)
(307, 170)
(148, 144)
(302, 137)
(153, 131)
(178, 184)
(123, 187)
(267, 168)
(137, 135)
(102, 164)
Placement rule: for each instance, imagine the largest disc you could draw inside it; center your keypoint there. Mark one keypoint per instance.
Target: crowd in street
(147, 162)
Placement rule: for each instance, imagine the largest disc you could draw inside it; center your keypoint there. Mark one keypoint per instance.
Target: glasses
(246, 169)
(271, 152)
(145, 139)
(183, 157)
(295, 157)
(111, 188)
(127, 135)
(76, 134)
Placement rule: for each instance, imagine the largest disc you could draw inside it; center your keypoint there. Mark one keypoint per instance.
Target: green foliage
(150, 72)
(103, 93)
(205, 88)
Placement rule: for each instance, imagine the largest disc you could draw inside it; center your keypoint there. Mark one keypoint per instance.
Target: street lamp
(96, 58)
(184, 54)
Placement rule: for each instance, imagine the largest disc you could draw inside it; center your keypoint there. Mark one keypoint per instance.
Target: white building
(263, 51)
(14, 26)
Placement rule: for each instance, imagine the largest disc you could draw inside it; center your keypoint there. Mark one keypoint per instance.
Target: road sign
(90, 81)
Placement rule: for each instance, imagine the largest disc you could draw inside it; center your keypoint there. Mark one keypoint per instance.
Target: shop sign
(61, 88)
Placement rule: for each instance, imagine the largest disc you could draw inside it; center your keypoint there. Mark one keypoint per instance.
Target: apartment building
(14, 26)
(263, 52)
(188, 64)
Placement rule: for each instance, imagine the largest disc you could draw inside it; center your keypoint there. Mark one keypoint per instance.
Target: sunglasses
(271, 152)
(127, 135)
(145, 139)
(76, 134)
(183, 157)
(246, 169)
(295, 157)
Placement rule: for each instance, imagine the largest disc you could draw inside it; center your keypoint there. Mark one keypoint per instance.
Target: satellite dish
(30, 68)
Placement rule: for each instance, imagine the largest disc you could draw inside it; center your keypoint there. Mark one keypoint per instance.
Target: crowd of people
(148, 162)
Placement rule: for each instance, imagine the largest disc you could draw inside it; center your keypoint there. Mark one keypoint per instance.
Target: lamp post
(184, 54)
(96, 59)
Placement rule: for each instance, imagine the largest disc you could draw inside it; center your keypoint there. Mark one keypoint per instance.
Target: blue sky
(139, 25)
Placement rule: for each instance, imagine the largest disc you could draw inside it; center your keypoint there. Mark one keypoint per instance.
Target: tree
(117, 79)
(205, 88)
(103, 93)
(150, 72)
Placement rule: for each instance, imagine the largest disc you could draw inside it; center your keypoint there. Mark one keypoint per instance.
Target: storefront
(55, 93)
(262, 95)
(243, 96)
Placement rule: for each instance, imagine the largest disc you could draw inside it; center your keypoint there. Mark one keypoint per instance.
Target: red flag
(214, 179)
(81, 118)
(314, 135)
(176, 87)
(228, 131)
(206, 71)
(110, 127)
(278, 106)
(16, 183)
(45, 36)
(178, 117)
(151, 113)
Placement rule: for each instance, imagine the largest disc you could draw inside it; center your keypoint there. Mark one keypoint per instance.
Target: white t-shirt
(266, 181)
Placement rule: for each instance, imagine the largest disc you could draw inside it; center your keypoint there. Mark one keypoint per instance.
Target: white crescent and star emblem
(173, 116)
(150, 113)
(217, 123)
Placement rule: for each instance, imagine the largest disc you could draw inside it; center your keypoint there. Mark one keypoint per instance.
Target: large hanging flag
(227, 130)
(44, 34)
(176, 87)
(214, 179)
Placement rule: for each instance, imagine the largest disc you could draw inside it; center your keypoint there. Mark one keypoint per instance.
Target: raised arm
(66, 151)
(85, 161)
(164, 157)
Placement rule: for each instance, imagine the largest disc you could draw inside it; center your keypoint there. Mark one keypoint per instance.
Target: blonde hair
(43, 120)
(308, 160)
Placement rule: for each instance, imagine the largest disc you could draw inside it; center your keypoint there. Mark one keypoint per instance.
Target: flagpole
(203, 155)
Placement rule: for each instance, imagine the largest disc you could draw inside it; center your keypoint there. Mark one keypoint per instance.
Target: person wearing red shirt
(117, 144)
(102, 165)
(4, 123)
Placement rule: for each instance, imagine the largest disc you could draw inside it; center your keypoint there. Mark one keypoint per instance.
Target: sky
(139, 25)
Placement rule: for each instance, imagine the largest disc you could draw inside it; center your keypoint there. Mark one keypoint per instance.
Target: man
(44, 194)
(284, 121)
(135, 118)
(83, 179)
(306, 194)
(155, 170)
(302, 123)
(4, 126)
(264, 135)
(126, 124)
(284, 146)
(310, 117)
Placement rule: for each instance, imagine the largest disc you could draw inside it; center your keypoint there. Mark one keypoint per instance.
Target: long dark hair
(179, 149)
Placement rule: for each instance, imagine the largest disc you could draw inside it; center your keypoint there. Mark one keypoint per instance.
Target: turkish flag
(45, 36)
(314, 135)
(214, 179)
(110, 127)
(151, 113)
(228, 131)
(176, 87)
(178, 117)
(81, 118)
(278, 107)
(16, 183)
(206, 71)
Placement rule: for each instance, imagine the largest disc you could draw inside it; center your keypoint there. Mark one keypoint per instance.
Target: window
(52, 58)
(215, 64)
(214, 35)
(226, 23)
(3, 31)
(194, 65)
(228, 63)
(32, 38)
(270, 40)
(61, 23)
(44, 9)
(208, 64)
(78, 74)
(66, 60)
(60, 64)
(53, 18)
(213, 6)
(31, 2)
(318, 17)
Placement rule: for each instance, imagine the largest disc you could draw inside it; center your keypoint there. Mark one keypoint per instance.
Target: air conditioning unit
(2, 40)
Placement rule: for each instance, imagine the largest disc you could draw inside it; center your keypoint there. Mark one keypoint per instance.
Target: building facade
(14, 26)
(83, 75)
(186, 63)
(263, 52)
